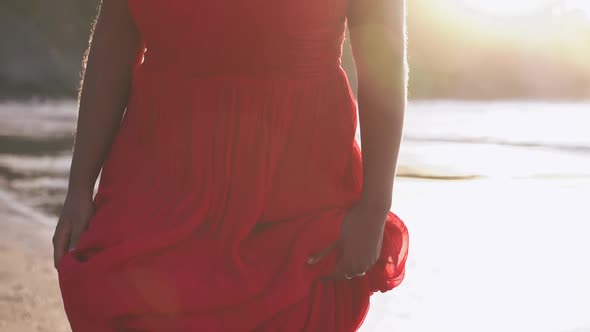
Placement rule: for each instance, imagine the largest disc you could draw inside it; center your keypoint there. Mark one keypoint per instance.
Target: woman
(232, 196)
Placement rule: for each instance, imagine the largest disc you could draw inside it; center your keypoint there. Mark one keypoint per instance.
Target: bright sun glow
(520, 7)
(505, 6)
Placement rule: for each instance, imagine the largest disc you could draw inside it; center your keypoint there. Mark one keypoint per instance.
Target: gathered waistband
(289, 62)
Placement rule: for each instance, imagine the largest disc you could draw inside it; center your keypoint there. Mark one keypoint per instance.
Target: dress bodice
(254, 36)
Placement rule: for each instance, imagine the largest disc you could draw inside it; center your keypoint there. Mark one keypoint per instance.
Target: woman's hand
(73, 221)
(361, 237)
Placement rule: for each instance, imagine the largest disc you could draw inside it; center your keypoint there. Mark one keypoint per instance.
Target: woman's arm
(115, 49)
(378, 40)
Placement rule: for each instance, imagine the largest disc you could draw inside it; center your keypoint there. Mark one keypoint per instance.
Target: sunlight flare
(506, 6)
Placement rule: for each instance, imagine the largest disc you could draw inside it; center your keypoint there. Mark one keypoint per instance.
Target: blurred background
(493, 177)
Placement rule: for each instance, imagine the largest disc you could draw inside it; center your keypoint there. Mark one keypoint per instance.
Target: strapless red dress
(235, 160)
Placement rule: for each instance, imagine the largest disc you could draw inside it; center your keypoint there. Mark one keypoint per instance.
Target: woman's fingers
(78, 228)
(342, 270)
(346, 269)
(61, 239)
(317, 257)
(339, 271)
(74, 238)
(73, 222)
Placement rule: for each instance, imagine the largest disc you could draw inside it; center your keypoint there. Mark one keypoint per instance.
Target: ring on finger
(354, 275)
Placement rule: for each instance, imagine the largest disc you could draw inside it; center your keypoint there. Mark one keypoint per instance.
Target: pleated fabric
(235, 160)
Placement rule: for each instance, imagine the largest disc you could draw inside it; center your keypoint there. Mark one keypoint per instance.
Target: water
(561, 126)
(498, 140)
(36, 140)
(495, 196)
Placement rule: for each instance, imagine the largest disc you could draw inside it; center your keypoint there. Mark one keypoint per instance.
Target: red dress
(235, 160)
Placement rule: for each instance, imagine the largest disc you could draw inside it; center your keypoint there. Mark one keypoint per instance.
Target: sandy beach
(29, 293)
